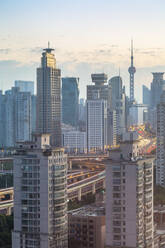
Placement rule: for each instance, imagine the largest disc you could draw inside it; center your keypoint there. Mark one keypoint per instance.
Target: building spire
(132, 71)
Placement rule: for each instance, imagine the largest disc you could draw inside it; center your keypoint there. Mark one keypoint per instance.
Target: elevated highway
(76, 189)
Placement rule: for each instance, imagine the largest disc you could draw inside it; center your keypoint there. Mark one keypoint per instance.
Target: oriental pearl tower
(132, 71)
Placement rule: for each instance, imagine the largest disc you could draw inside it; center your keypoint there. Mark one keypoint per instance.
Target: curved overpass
(75, 190)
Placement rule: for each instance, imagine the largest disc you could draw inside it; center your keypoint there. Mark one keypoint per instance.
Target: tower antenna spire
(132, 71)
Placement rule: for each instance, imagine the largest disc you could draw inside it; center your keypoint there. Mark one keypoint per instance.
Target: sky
(89, 36)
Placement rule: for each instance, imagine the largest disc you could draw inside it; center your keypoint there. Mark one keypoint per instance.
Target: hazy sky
(88, 35)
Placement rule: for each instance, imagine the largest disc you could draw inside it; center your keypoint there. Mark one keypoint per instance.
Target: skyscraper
(25, 86)
(129, 198)
(157, 87)
(100, 86)
(96, 125)
(160, 132)
(132, 71)
(16, 117)
(40, 198)
(146, 95)
(118, 104)
(49, 97)
(70, 100)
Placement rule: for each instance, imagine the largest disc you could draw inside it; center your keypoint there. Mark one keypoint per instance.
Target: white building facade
(129, 200)
(75, 142)
(96, 125)
(40, 196)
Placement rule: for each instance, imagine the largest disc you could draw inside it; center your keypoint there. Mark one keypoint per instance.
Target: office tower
(100, 86)
(157, 87)
(111, 128)
(16, 117)
(70, 100)
(118, 103)
(90, 222)
(82, 110)
(96, 125)
(160, 133)
(25, 86)
(146, 95)
(2, 123)
(40, 199)
(137, 114)
(132, 71)
(74, 141)
(33, 112)
(129, 198)
(23, 118)
(49, 97)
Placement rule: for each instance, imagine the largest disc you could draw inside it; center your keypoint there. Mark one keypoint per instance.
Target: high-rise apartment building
(49, 97)
(25, 86)
(70, 100)
(96, 124)
(40, 198)
(129, 198)
(160, 133)
(157, 87)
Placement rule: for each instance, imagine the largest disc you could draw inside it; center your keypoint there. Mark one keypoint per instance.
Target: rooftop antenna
(48, 44)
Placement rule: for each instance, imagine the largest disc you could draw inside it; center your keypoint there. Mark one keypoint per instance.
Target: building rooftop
(89, 210)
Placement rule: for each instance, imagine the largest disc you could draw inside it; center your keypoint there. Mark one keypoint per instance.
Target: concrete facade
(129, 199)
(96, 125)
(87, 226)
(40, 197)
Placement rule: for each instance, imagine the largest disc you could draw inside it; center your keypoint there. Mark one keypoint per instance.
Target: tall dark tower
(49, 97)
(132, 71)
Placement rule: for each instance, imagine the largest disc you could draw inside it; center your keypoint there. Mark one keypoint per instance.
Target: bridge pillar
(79, 194)
(93, 188)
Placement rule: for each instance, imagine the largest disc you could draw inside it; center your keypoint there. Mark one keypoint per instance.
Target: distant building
(40, 197)
(100, 88)
(33, 112)
(160, 133)
(25, 86)
(137, 114)
(82, 110)
(111, 128)
(2, 118)
(146, 95)
(75, 142)
(70, 100)
(129, 198)
(118, 103)
(49, 98)
(17, 118)
(157, 87)
(87, 226)
(96, 125)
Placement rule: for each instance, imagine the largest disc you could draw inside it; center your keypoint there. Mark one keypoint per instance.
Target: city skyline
(93, 39)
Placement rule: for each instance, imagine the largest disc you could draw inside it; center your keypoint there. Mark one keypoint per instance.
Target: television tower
(132, 71)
